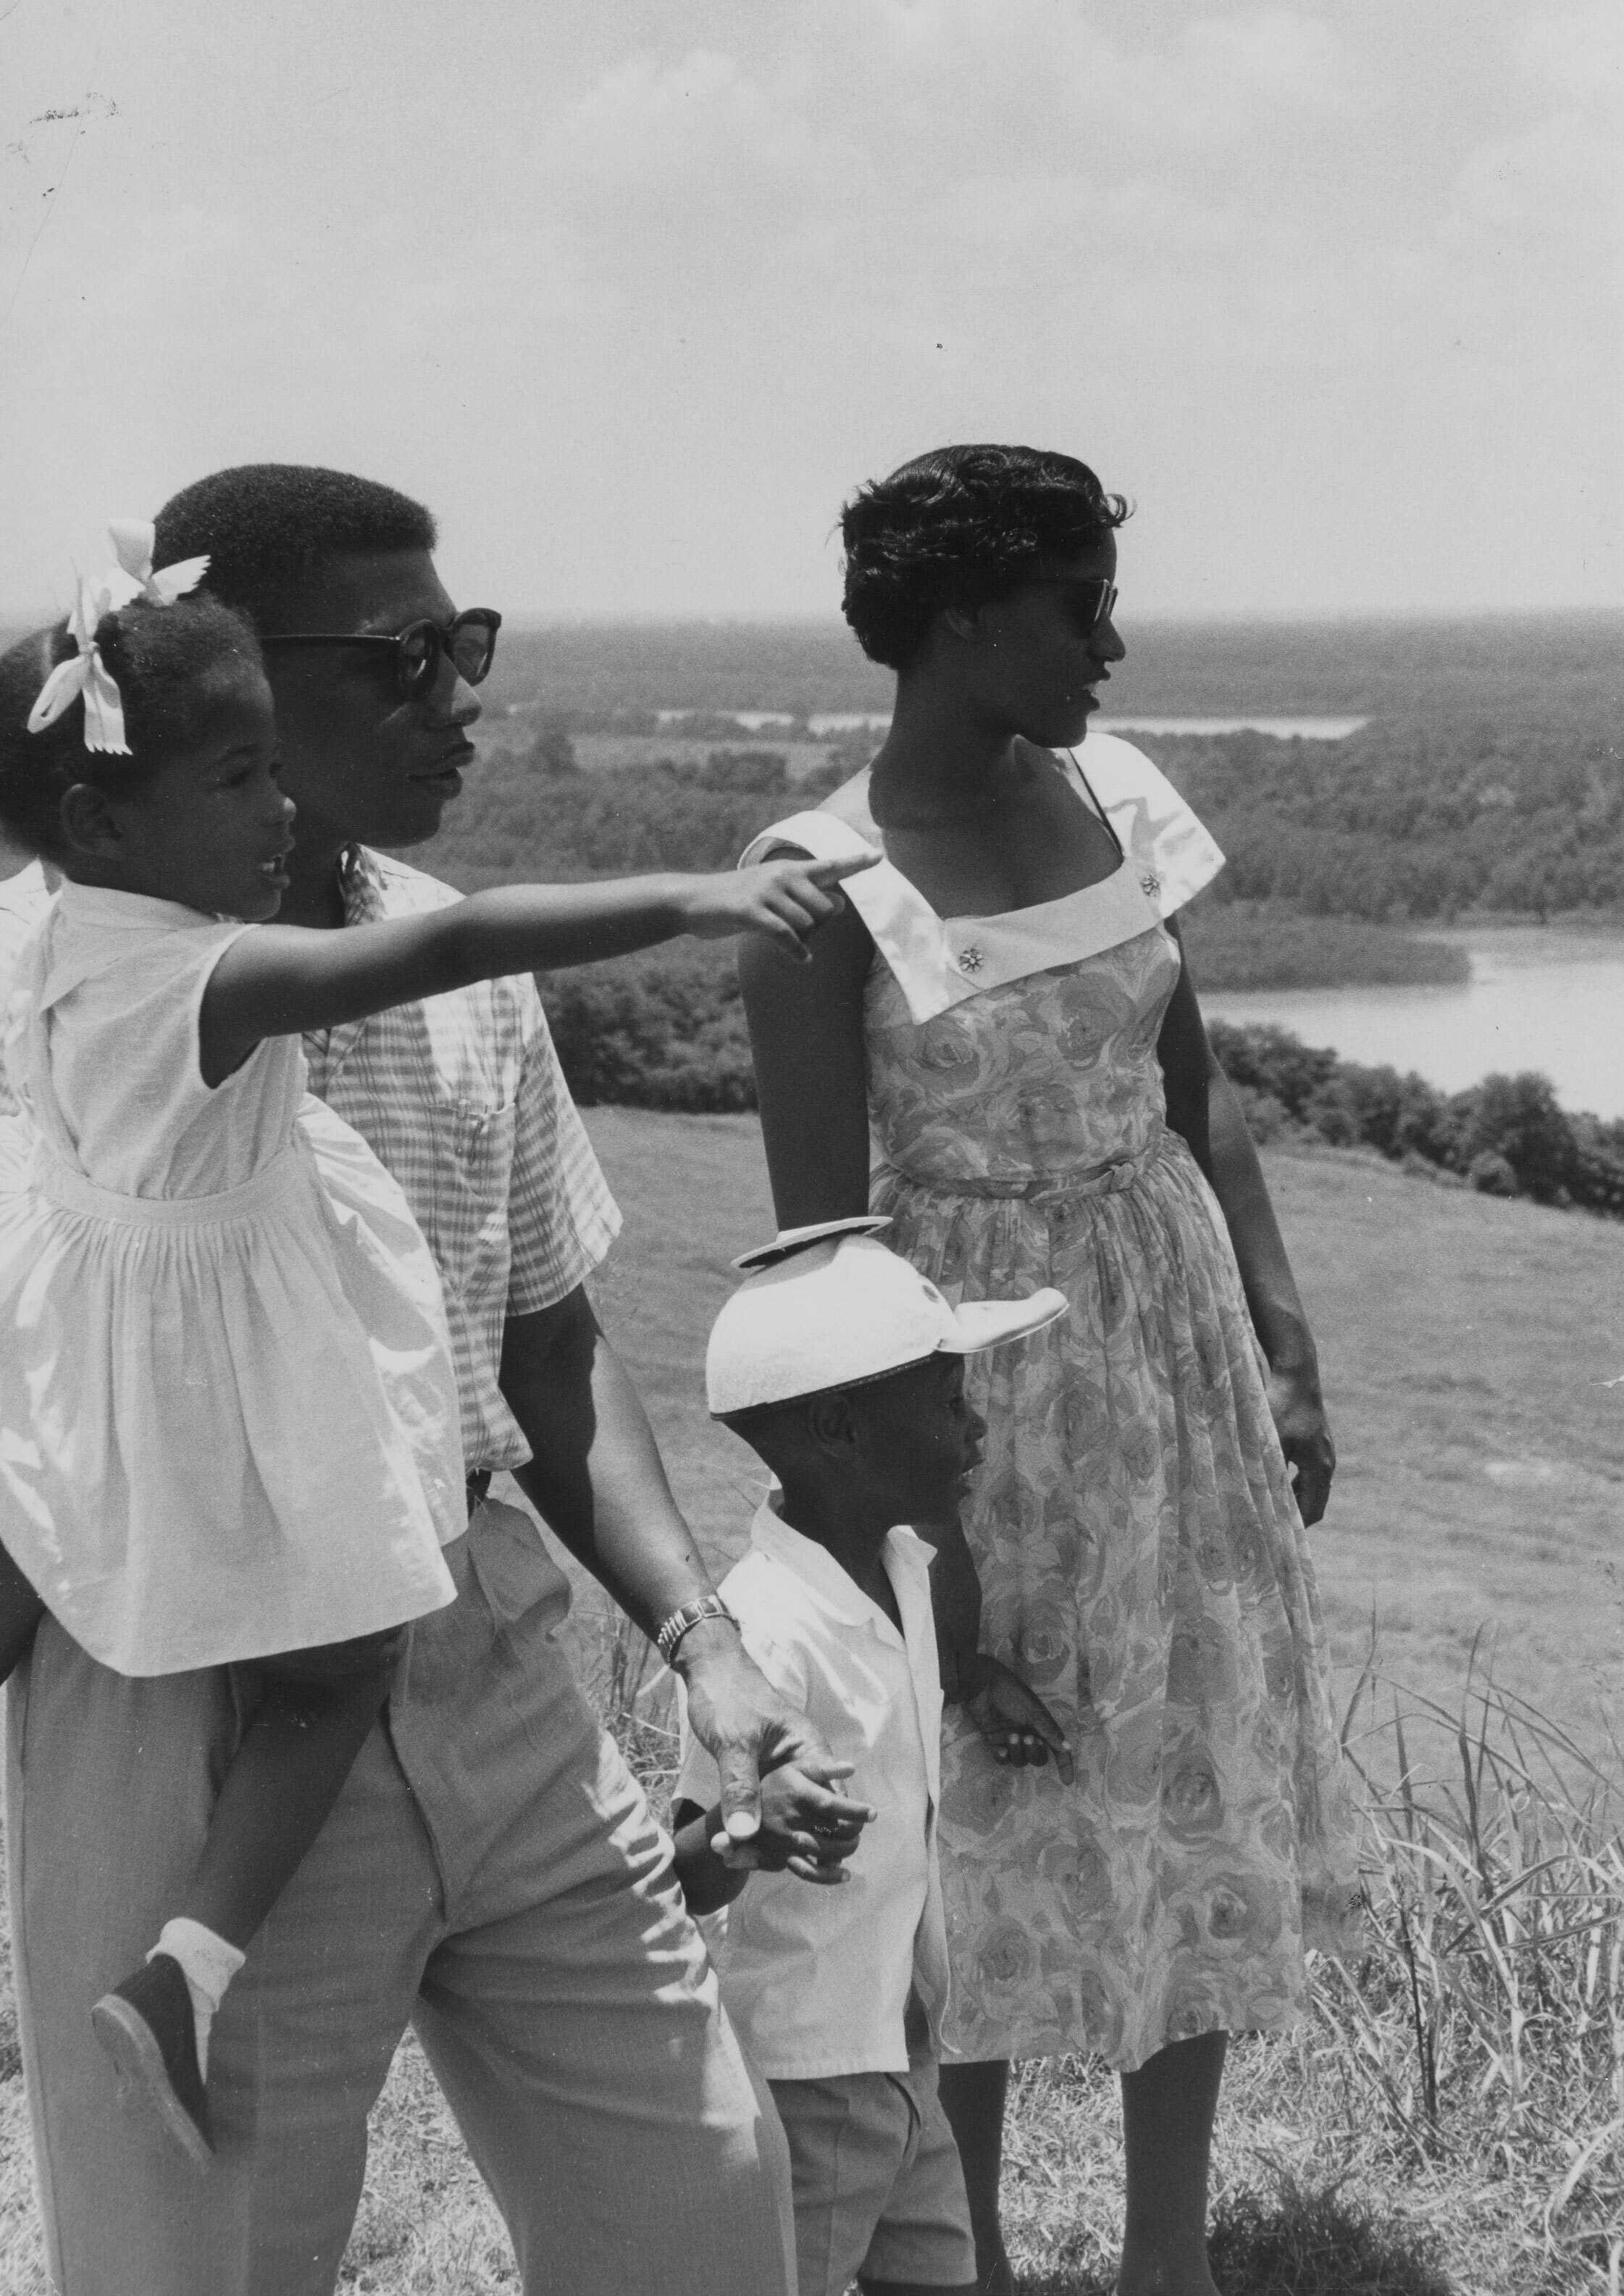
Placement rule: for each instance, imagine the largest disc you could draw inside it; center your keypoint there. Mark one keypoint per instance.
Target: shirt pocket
(472, 1151)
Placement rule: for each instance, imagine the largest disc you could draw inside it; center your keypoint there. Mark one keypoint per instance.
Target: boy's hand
(1013, 1719)
(752, 1733)
(806, 1830)
(783, 899)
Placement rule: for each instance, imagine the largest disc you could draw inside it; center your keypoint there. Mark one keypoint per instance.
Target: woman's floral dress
(1142, 1559)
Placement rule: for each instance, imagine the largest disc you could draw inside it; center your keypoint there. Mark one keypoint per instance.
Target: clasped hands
(782, 1809)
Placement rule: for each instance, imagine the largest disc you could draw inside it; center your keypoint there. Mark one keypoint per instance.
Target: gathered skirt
(228, 1426)
(1143, 1567)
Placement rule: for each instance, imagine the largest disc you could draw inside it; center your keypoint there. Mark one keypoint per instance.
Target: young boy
(843, 1367)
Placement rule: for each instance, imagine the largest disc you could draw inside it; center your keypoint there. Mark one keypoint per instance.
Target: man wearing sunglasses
(490, 1874)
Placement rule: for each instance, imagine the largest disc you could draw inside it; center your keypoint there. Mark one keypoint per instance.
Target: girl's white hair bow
(85, 672)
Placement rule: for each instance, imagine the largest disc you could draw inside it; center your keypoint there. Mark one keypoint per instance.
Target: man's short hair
(270, 528)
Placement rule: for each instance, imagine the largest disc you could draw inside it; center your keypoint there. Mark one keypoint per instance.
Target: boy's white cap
(831, 1307)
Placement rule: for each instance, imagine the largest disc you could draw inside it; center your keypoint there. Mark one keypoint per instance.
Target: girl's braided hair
(956, 528)
(157, 656)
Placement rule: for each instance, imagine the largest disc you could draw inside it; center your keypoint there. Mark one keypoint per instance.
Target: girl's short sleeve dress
(228, 1418)
(1143, 1562)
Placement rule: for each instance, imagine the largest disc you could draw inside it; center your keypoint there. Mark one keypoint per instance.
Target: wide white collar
(940, 962)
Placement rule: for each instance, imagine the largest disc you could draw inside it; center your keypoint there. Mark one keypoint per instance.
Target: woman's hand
(1013, 1719)
(783, 899)
(1305, 1436)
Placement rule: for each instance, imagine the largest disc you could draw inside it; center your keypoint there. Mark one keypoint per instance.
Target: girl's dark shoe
(146, 2027)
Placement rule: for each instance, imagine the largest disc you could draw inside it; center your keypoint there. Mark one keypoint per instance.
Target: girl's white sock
(209, 1964)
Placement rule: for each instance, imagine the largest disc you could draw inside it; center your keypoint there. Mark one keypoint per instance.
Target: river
(1540, 997)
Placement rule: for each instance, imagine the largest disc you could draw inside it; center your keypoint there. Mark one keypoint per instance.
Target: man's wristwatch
(670, 1631)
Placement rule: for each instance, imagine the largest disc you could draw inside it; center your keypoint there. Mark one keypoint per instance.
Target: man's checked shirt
(462, 1098)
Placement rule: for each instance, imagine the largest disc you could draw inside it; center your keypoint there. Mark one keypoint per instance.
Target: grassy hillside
(1467, 1345)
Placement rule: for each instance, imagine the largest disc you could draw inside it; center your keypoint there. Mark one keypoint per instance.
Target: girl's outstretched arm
(280, 981)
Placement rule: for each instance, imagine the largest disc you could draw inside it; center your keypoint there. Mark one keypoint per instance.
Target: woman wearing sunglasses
(1134, 1867)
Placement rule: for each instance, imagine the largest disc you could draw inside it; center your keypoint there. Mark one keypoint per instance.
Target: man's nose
(462, 705)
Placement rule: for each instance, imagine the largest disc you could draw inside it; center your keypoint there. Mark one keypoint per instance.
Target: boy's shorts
(878, 2191)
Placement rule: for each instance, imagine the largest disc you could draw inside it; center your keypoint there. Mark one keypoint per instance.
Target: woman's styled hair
(956, 528)
(270, 528)
(157, 656)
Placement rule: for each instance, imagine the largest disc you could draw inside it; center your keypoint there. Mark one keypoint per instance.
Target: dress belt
(1048, 1187)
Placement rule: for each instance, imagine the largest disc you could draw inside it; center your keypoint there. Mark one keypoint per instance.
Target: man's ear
(90, 822)
(830, 1423)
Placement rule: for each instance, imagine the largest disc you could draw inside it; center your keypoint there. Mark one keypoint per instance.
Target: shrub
(1490, 1175)
(665, 1030)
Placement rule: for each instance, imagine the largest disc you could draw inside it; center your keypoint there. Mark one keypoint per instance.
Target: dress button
(1150, 881)
(970, 960)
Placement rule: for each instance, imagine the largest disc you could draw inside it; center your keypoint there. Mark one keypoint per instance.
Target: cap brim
(789, 1241)
(988, 1322)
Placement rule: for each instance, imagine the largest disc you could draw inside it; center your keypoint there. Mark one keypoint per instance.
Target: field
(1433, 2131)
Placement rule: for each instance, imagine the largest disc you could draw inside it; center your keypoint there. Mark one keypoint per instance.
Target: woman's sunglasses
(1093, 600)
(469, 639)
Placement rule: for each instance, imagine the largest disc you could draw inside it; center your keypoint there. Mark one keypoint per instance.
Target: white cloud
(635, 295)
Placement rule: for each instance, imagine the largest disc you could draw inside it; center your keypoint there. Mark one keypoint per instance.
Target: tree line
(1394, 823)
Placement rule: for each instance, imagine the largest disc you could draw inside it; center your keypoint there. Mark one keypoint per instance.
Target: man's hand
(1013, 1720)
(814, 1849)
(750, 1732)
(1305, 1437)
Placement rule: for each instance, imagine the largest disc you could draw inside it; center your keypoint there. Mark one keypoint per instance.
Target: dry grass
(1450, 2116)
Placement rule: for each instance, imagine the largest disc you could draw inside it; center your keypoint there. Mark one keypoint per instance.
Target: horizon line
(533, 618)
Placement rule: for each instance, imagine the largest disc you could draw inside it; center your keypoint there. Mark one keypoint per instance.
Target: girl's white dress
(228, 1417)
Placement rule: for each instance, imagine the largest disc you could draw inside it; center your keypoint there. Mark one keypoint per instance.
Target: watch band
(670, 1631)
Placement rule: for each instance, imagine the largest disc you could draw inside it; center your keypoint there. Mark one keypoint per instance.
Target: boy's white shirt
(816, 1980)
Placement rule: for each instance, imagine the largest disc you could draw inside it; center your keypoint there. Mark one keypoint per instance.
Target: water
(1283, 729)
(1544, 999)
(868, 721)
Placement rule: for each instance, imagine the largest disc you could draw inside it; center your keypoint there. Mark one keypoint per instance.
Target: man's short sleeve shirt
(461, 1097)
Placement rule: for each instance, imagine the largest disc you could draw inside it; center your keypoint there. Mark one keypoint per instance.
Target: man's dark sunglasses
(1093, 599)
(470, 639)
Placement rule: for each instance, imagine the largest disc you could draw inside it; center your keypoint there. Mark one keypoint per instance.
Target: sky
(635, 294)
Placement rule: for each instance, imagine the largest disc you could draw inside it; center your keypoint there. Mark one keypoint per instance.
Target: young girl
(228, 1417)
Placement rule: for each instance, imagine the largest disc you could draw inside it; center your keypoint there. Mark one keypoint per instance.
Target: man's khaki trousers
(490, 1875)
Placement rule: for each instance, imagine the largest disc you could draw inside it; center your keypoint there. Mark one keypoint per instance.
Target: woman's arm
(279, 980)
(1204, 1106)
(805, 1035)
